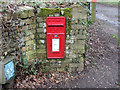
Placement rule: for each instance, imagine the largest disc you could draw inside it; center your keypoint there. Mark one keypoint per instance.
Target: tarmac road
(108, 14)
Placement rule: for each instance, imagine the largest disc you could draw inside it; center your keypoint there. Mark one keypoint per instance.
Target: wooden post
(93, 16)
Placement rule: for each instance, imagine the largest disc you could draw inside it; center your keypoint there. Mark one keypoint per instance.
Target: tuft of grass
(116, 37)
(118, 83)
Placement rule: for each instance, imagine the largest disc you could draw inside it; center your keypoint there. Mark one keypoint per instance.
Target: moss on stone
(46, 11)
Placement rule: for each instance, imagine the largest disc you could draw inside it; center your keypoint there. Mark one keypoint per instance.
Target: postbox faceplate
(55, 37)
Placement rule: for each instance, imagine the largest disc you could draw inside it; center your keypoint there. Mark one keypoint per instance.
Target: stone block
(41, 42)
(16, 15)
(40, 19)
(29, 53)
(24, 15)
(77, 11)
(73, 55)
(41, 46)
(30, 42)
(79, 46)
(70, 41)
(81, 67)
(32, 26)
(28, 48)
(41, 51)
(77, 26)
(81, 37)
(41, 25)
(30, 37)
(41, 56)
(40, 30)
(60, 69)
(42, 36)
(84, 32)
(77, 60)
(84, 19)
(29, 32)
(31, 13)
(74, 65)
(82, 59)
(25, 11)
(28, 21)
(24, 28)
(72, 69)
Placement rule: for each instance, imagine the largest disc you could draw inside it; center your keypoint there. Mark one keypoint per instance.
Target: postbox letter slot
(55, 25)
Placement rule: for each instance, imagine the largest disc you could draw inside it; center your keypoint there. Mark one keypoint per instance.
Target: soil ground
(101, 58)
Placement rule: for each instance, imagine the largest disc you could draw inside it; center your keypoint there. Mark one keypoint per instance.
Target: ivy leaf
(43, 62)
(3, 10)
(34, 72)
(21, 65)
(26, 72)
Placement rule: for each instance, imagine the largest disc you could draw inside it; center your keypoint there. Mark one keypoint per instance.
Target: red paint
(55, 30)
(94, 1)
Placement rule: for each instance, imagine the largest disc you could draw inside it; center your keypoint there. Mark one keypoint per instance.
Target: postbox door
(55, 45)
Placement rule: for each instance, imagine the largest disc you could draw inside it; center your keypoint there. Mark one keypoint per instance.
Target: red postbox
(55, 37)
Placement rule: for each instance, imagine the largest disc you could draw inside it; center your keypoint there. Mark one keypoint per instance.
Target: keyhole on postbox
(55, 35)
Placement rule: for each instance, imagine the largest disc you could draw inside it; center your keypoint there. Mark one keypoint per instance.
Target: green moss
(28, 12)
(68, 26)
(46, 11)
(68, 31)
(68, 10)
(67, 13)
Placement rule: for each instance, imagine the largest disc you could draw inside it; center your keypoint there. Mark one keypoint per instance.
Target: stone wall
(9, 43)
(30, 32)
(1, 38)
